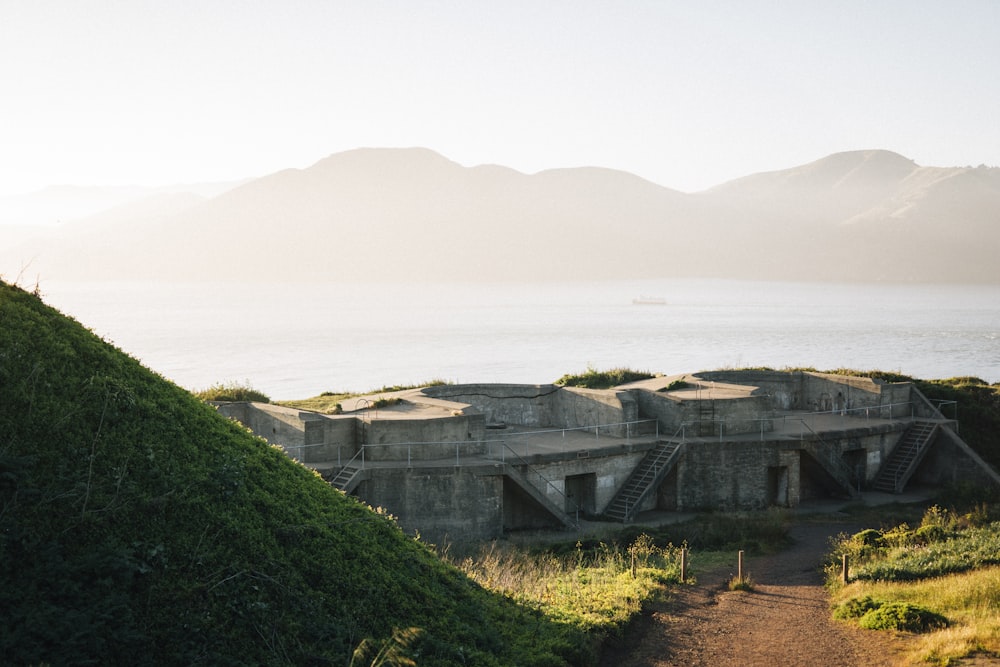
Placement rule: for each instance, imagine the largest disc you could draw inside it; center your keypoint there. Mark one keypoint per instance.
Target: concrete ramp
(829, 460)
(537, 496)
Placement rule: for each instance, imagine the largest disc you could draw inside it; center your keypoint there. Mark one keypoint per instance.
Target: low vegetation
(232, 391)
(741, 583)
(595, 379)
(138, 526)
(332, 402)
(596, 590)
(598, 584)
(940, 579)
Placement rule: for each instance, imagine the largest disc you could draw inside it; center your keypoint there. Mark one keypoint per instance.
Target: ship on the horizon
(649, 301)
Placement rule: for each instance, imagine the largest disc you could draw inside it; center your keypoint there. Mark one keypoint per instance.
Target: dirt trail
(785, 620)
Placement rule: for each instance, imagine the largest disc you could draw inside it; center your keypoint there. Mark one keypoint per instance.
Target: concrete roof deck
(696, 389)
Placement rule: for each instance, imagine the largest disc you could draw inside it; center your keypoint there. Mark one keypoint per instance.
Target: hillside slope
(137, 526)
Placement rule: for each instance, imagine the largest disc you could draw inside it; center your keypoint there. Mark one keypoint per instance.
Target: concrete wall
(837, 393)
(308, 437)
(611, 469)
(668, 411)
(520, 404)
(950, 461)
(818, 392)
(544, 406)
(785, 390)
(422, 439)
(742, 475)
(729, 416)
(576, 407)
(725, 475)
(442, 504)
(707, 417)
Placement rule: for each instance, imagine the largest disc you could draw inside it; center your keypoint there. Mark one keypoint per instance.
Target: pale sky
(687, 94)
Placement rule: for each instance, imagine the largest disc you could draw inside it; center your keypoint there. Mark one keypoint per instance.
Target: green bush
(594, 379)
(944, 543)
(925, 535)
(902, 616)
(232, 391)
(855, 608)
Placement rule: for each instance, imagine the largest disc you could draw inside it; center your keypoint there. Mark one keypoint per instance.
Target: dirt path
(785, 620)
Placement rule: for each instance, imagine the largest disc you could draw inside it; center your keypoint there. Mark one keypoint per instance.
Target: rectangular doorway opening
(777, 486)
(580, 492)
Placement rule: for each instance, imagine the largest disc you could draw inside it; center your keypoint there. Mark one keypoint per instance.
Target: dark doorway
(777, 486)
(580, 492)
(857, 461)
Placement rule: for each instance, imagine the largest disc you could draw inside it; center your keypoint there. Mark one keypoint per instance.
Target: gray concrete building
(475, 461)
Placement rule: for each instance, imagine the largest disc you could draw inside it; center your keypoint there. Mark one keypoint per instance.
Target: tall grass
(232, 391)
(598, 591)
(595, 379)
(948, 568)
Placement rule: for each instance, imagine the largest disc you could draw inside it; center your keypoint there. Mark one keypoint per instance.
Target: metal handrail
(548, 482)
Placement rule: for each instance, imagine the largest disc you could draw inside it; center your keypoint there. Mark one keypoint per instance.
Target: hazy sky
(687, 94)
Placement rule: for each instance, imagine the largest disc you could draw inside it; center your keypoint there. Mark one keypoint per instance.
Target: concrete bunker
(476, 461)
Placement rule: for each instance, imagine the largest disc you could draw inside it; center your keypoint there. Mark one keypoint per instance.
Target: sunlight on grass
(946, 566)
(597, 590)
(970, 601)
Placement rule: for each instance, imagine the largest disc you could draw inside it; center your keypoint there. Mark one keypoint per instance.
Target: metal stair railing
(343, 484)
(542, 496)
(906, 456)
(649, 472)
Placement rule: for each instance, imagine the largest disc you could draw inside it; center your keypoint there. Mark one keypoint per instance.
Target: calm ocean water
(296, 341)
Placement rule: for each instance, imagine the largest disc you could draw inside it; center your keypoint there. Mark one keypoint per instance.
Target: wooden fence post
(684, 564)
(844, 571)
(739, 566)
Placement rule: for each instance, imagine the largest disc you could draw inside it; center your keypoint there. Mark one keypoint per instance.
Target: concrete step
(897, 469)
(653, 466)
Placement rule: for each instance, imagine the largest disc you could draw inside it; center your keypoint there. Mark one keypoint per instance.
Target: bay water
(296, 341)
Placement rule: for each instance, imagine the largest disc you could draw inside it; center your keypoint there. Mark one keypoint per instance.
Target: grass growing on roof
(595, 379)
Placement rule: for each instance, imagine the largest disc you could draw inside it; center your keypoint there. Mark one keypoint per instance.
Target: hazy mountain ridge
(58, 204)
(412, 214)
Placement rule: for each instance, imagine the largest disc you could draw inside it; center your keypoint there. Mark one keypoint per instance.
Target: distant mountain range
(412, 214)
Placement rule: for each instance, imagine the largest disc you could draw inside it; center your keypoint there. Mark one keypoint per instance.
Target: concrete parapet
(522, 404)
(543, 406)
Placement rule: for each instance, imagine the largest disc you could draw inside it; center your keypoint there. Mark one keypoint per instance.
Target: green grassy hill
(139, 527)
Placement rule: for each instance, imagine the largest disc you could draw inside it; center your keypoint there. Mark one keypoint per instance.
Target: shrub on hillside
(877, 615)
(232, 391)
(902, 616)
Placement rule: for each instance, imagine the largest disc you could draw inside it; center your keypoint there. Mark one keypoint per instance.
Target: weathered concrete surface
(452, 461)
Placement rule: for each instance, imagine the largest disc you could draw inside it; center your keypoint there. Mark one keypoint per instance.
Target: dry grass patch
(970, 601)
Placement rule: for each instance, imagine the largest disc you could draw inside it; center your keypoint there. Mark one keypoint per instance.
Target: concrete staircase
(348, 478)
(903, 460)
(643, 480)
